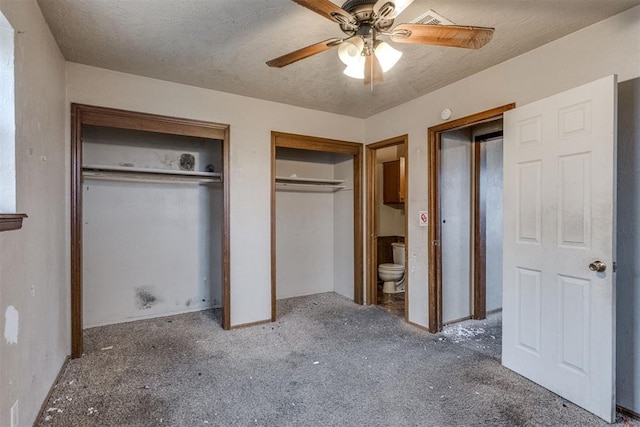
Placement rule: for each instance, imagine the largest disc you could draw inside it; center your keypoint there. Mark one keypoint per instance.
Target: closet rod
(154, 171)
(148, 179)
(308, 187)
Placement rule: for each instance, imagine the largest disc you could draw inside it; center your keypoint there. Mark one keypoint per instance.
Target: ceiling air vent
(430, 17)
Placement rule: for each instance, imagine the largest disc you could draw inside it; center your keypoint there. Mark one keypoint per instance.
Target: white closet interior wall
(314, 229)
(343, 273)
(457, 216)
(455, 207)
(149, 249)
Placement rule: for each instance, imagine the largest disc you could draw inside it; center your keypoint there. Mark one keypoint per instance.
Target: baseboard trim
(150, 316)
(416, 325)
(53, 385)
(462, 319)
(628, 412)
(495, 310)
(250, 324)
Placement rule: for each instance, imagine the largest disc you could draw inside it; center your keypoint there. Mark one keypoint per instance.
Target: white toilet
(393, 274)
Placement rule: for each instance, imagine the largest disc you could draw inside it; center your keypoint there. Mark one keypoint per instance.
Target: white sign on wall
(423, 218)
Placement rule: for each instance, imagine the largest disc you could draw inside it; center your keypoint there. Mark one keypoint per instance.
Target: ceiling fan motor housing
(350, 5)
(362, 10)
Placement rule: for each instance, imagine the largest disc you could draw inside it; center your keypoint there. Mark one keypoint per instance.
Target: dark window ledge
(10, 222)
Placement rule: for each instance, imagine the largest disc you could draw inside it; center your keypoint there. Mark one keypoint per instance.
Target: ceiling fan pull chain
(371, 80)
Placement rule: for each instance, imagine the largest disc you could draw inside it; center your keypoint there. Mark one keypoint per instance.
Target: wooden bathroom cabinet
(394, 187)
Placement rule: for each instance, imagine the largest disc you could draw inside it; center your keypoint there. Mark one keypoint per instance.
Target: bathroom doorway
(387, 191)
(465, 224)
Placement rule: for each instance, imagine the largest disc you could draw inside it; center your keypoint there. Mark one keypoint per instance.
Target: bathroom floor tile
(392, 303)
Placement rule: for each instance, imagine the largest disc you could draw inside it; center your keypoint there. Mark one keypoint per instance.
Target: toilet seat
(390, 267)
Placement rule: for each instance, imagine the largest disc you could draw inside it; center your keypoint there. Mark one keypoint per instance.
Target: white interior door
(559, 204)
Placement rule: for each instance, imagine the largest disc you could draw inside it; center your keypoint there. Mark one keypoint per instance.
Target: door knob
(598, 266)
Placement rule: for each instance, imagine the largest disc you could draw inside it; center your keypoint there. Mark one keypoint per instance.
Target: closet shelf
(309, 184)
(148, 175)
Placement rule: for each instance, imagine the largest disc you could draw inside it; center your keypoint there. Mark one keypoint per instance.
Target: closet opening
(316, 211)
(387, 235)
(471, 221)
(465, 218)
(150, 218)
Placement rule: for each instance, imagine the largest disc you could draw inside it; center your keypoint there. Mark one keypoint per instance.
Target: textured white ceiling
(223, 45)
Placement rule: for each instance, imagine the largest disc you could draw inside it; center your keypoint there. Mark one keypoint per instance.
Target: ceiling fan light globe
(387, 56)
(350, 51)
(355, 70)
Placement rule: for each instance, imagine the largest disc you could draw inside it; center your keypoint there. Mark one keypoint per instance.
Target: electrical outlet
(14, 415)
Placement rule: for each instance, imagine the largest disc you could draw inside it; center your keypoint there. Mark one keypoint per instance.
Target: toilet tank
(398, 253)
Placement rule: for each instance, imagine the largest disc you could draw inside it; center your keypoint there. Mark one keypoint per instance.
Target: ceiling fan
(364, 21)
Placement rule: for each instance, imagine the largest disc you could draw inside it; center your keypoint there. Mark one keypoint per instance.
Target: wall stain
(145, 299)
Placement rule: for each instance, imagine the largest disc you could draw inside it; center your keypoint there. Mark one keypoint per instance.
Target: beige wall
(33, 261)
(608, 47)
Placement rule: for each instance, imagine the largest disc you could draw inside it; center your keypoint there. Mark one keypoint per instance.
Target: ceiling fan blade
(305, 52)
(388, 9)
(372, 70)
(442, 35)
(328, 10)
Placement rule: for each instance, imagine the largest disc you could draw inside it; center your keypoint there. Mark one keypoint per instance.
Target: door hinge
(615, 266)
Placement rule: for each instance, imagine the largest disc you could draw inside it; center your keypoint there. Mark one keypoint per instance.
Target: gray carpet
(325, 362)
(483, 336)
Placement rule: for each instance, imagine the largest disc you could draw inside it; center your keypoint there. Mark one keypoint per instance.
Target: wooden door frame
(115, 118)
(312, 143)
(372, 249)
(480, 226)
(434, 165)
